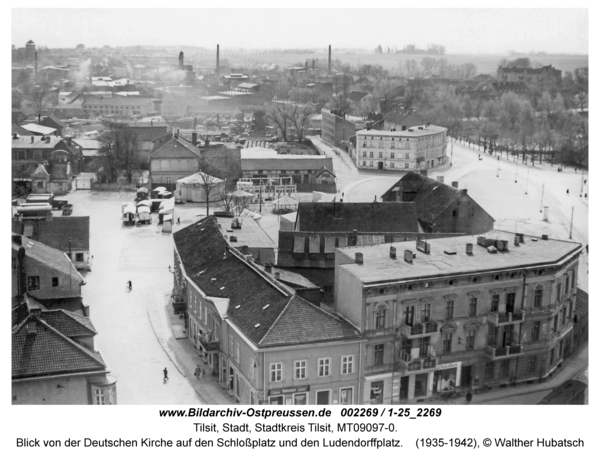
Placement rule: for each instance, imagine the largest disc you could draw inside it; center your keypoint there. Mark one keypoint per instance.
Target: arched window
(380, 315)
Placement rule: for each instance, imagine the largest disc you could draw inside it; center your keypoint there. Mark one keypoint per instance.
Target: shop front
(446, 377)
(289, 396)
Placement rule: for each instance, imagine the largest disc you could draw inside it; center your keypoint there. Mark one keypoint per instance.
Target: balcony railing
(503, 352)
(179, 303)
(499, 319)
(209, 345)
(380, 332)
(538, 311)
(419, 329)
(381, 367)
(425, 360)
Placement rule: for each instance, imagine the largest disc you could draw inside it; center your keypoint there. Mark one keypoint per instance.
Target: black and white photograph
(384, 208)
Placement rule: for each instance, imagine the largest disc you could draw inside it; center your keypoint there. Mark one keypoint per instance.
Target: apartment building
(456, 314)
(416, 148)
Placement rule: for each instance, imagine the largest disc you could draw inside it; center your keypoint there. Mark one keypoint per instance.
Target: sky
(470, 31)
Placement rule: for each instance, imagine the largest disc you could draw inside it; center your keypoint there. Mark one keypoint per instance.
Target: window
(537, 296)
(378, 354)
(454, 213)
(237, 351)
(552, 356)
(492, 335)
(535, 331)
(33, 282)
(276, 372)
(406, 165)
(78, 257)
(471, 212)
(563, 318)
(324, 366)
(489, 370)
(348, 364)
(447, 343)
(391, 165)
(570, 309)
(470, 339)
(426, 313)
(299, 370)
(168, 180)
(54, 282)
(532, 364)
(380, 154)
(230, 345)
(407, 155)
(555, 328)
(364, 163)
(371, 154)
(495, 302)
(392, 147)
(449, 309)
(392, 155)
(380, 317)
(364, 154)
(99, 396)
(472, 306)
(558, 292)
(409, 312)
(510, 302)
(371, 164)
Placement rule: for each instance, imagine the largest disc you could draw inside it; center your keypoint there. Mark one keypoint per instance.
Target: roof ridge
(87, 323)
(285, 309)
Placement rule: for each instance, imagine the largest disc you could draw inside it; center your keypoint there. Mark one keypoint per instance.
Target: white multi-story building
(417, 148)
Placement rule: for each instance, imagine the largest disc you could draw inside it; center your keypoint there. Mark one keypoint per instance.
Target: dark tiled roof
(430, 197)
(38, 349)
(303, 322)
(148, 134)
(52, 121)
(68, 323)
(357, 96)
(19, 130)
(56, 233)
(402, 116)
(210, 264)
(364, 217)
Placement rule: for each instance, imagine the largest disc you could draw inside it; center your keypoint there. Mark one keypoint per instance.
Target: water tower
(29, 52)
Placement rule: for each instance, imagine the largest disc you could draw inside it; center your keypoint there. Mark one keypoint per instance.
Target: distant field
(484, 63)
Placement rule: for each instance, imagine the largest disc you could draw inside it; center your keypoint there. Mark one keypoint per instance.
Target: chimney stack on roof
(329, 61)
(393, 252)
(358, 258)
(469, 248)
(194, 138)
(277, 275)
(217, 61)
(455, 184)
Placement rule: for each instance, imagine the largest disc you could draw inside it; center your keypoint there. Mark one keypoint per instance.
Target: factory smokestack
(181, 60)
(329, 61)
(35, 67)
(217, 60)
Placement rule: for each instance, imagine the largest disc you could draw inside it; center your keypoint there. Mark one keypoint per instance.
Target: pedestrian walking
(178, 220)
(203, 373)
(197, 372)
(130, 285)
(567, 191)
(469, 397)
(166, 373)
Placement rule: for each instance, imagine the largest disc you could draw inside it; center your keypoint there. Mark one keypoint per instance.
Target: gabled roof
(39, 349)
(170, 146)
(57, 232)
(48, 256)
(52, 121)
(212, 265)
(16, 129)
(364, 217)
(408, 118)
(256, 302)
(302, 322)
(357, 96)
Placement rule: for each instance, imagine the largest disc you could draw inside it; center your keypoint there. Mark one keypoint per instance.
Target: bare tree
(277, 113)
(339, 100)
(40, 96)
(298, 116)
(211, 187)
(110, 142)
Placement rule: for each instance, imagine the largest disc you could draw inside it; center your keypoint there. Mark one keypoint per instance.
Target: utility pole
(527, 183)
(542, 202)
(571, 230)
(516, 170)
(498, 171)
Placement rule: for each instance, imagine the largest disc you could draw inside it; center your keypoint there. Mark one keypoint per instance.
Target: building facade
(173, 158)
(334, 128)
(539, 76)
(417, 148)
(501, 312)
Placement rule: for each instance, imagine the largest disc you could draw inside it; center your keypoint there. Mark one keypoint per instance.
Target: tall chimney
(329, 61)
(217, 61)
(35, 67)
(181, 59)
(194, 138)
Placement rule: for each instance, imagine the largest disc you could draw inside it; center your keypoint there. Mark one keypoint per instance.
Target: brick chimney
(194, 138)
(358, 258)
